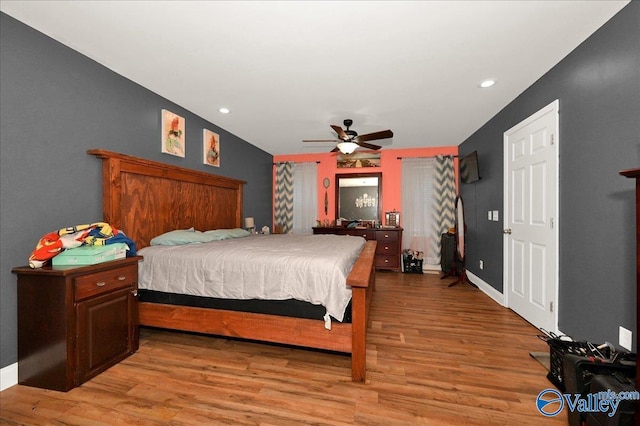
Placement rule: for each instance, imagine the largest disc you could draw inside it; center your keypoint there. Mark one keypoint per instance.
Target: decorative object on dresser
(388, 251)
(134, 191)
(75, 322)
(392, 219)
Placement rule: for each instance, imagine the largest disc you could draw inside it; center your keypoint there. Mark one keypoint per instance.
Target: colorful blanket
(94, 234)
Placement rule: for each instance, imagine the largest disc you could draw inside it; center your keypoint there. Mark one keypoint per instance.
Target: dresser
(389, 249)
(75, 322)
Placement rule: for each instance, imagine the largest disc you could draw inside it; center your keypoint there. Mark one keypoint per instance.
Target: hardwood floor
(435, 356)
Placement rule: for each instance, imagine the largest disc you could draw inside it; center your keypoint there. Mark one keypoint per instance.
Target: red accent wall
(390, 167)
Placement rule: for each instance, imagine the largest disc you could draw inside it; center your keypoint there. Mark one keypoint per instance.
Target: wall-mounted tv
(469, 171)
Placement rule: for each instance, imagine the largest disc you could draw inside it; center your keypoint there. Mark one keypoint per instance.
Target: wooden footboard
(343, 337)
(362, 281)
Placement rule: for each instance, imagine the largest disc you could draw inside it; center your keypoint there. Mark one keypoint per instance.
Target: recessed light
(224, 110)
(487, 83)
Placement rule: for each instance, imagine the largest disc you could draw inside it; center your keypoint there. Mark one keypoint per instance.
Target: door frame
(553, 107)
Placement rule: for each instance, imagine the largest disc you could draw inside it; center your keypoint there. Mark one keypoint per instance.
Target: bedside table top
(74, 269)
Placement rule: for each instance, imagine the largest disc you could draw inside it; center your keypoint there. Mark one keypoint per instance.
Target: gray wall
(598, 86)
(54, 105)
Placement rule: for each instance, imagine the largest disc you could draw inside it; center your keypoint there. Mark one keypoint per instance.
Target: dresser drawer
(105, 281)
(387, 236)
(387, 262)
(387, 248)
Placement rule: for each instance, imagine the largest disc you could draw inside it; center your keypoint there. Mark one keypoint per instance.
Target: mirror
(461, 230)
(358, 197)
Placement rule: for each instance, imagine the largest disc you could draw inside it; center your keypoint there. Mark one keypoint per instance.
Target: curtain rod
(295, 162)
(433, 156)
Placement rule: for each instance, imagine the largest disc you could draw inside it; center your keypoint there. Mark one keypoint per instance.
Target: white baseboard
(486, 288)
(8, 376)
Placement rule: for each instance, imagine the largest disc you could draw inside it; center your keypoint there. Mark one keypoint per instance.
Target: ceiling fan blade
(341, 134)
(336, 149)
(368, 145)
(321, 140)
(383, 134)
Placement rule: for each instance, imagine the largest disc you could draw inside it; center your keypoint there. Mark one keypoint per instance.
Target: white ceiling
(288, 69)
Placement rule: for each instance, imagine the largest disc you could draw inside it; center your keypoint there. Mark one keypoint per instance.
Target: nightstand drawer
(105, 281)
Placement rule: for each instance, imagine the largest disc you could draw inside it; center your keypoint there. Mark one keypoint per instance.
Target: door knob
(506, 231)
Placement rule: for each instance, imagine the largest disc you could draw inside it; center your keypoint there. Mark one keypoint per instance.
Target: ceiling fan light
(347, 147)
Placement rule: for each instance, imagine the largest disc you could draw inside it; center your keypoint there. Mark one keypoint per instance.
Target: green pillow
(225, 234)
(181, 237)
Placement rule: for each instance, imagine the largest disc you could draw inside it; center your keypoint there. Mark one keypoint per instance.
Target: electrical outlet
(625, 338)
(482, 264)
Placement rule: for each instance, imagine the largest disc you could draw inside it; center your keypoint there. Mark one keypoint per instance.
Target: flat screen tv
(469, 171)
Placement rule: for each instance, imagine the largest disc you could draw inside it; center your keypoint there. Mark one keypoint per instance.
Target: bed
(146, 198)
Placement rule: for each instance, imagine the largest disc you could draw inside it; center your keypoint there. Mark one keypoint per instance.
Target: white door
(531, 218)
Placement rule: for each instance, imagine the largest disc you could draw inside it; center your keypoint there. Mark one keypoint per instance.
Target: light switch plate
(495, 215)
(625, 338)
(489, 215)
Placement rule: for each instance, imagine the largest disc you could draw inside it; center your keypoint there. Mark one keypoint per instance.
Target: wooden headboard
(145, 198)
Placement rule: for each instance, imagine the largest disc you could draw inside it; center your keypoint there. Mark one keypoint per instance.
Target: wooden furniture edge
(631, 173)
(635, 174)
(246, 325)
(362, 282)
(114, 164)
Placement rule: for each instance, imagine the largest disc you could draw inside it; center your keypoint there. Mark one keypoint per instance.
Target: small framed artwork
(173, 136)
(392, 219)
(210, 148)
(358, 160)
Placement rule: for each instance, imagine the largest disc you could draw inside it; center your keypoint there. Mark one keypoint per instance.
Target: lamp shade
(347, 147)
(249, 223)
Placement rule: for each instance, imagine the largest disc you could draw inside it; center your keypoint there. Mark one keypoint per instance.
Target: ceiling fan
(349, 140)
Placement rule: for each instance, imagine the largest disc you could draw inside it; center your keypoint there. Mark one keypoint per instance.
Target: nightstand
(75, 322)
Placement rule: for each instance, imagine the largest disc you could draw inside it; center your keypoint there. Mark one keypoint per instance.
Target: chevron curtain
(445, 194)
(428, 195)
(284, 196)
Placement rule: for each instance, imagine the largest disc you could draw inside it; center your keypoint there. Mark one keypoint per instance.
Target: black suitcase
(448, 253)
(624, 415)
(579, 372)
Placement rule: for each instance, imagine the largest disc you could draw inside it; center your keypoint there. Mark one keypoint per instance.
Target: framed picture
(173, 137)
(210, 148)
(392, 219)
(358, 160)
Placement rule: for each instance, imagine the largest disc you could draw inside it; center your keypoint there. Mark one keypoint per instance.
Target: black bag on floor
(447, 253)
(580, 372)
(624, 415)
